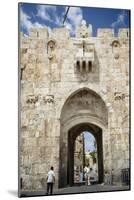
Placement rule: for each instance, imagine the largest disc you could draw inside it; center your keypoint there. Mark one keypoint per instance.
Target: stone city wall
(52, 68)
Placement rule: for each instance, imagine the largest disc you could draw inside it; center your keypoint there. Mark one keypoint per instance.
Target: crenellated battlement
(81, 32)
(38, 32)
(123, 33)
(105, 32)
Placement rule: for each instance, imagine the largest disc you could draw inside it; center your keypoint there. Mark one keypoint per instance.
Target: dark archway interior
(72, 135)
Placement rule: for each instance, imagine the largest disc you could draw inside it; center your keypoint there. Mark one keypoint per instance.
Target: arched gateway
(84, 110)
(71, 85)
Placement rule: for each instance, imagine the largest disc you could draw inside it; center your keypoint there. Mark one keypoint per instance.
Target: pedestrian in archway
(86, 174)
(50, 181)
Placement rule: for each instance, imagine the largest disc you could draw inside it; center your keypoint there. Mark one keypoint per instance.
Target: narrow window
(78, 65)
(89, 66)
(84, 66)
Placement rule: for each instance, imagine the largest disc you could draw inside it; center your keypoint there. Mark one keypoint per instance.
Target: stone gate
(69, 85)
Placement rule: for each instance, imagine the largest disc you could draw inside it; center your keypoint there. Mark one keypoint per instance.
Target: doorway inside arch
(85, 159)
(85, 155)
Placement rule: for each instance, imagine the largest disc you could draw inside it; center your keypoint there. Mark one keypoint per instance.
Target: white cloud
(75, 15)
(74, 18)
(44, 12)
(48, 13)
(120, 20)
(38, 25)
(70, 27)
(26, 23)
(25, 20)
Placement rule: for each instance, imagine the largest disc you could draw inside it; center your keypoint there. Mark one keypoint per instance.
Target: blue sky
(36, 15)
(89, 141)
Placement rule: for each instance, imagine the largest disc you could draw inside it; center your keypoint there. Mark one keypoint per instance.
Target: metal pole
(66, 15)
(83, 154)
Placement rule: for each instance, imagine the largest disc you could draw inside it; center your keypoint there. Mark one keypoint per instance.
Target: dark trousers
(50, 188)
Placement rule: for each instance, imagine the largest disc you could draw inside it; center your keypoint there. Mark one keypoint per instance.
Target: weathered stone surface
(68, 81)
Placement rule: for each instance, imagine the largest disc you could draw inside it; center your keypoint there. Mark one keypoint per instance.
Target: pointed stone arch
(86, 110)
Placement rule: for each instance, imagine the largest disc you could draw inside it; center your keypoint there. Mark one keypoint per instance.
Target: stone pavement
(78, 190)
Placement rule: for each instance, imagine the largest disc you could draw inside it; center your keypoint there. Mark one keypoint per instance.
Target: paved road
(91, 188)
(78, 190)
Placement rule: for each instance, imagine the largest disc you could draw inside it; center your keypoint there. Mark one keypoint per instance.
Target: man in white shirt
(50, 181)
(86, 175)
(93, 176)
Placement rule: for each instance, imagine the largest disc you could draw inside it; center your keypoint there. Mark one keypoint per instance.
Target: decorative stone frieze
(49, 99)
(83, 31)
(120, 96)
(31, 99)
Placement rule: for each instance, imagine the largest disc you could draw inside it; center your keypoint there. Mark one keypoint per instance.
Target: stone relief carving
(120, 96)
(48, 99)
(32, 99)
(84, 31)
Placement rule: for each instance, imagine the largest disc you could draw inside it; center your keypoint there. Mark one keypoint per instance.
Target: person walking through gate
(50, 181)
(86, 174)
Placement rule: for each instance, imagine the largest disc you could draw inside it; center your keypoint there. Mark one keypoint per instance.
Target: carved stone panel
(32, 99)
(83, 31)
(48, 99)
(120, 96)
